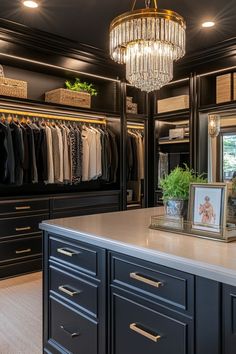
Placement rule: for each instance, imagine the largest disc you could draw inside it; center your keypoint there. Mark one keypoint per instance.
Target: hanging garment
(3, 154)
(60, 152)
(114, 156)
(50, 161)
(18, 147)
(10, 177)
(66, 155)
(85, 156)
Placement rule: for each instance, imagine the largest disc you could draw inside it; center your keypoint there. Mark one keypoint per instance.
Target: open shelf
(25, 103)
(183, 113)
(171, 142)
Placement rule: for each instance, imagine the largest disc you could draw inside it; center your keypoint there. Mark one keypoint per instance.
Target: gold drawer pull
(23, 207)
(67, 252)
(28, 250)
(72, 335)
(65, 289)
(27, 228)
(136, 276)
(134, 327)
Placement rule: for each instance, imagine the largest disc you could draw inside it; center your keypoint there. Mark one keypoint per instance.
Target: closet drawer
(78, 291)
(21, 225)
(71, 331)
(75, 255)
(23, 206)
(86, 200)
(20, 248)
(158, 283)
(139, 330)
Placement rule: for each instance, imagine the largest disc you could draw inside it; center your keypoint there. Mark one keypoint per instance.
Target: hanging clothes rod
(129, 126)
(48, 116)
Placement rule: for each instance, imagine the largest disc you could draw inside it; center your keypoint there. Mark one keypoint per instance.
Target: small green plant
(176, 184)
(80, 86)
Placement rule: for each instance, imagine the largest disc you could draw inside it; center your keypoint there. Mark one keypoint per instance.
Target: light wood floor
(21, 315)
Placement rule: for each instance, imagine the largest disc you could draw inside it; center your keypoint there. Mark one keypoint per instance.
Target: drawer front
(74, 255)
(158, 283)
(85, 211)
(20, 248)
(75, 290)
(139, 330)
(71, 331)
(229, 319)
(84, 201)
(23, 206)
(21, 225)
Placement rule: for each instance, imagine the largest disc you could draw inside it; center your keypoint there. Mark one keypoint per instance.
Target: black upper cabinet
(209, 95)
(229, 319)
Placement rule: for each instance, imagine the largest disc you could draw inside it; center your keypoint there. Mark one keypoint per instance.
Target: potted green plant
(175, 187)
(80, 86)
(76, 93)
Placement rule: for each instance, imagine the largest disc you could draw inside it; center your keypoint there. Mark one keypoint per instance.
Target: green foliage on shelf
(176, 184)
(80, 86)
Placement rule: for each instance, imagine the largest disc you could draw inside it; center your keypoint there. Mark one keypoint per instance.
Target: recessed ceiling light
(208, 24)
(31, 4)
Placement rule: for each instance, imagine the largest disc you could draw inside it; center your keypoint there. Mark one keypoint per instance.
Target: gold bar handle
(136, 276)
(134, 327)
(27, 228)
(67, 252)
(28, 250)
(23, 207)
(72, 335)
(65, 289)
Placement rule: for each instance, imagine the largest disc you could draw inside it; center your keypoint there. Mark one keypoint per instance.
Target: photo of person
(207, 212)
(207, 208)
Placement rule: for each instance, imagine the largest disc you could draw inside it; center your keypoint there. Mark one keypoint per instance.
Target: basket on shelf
(12, 87)
(173, 104)
(69, 98)
(224, 90)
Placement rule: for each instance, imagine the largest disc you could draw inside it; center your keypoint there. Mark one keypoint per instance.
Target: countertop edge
(205, 270)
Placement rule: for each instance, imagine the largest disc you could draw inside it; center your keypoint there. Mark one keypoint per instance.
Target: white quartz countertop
(128, 232)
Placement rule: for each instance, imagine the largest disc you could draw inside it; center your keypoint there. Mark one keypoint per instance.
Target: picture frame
(208, 209)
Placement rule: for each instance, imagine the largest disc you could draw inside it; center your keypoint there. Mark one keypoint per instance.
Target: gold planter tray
(184, 227)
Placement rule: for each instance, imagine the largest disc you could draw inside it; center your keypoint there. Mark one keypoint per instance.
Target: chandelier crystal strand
(148, 41)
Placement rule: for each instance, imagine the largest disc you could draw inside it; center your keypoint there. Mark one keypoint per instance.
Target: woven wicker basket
(223, 88)
(12, 87)
(69, 98)
(173, 103)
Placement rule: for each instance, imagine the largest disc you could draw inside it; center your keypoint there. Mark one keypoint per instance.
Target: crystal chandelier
(148, 41)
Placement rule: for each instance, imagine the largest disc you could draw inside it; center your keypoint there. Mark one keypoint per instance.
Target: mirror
(222, 150)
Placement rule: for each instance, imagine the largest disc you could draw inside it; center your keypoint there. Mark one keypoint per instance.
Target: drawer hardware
(67, 252)
(23, 207)
(27, 250)
(27, 228)
(65, 289)
(134, 327)
(72, 335)
(136, 276)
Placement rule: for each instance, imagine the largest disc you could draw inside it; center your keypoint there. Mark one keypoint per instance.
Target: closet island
(114, 286)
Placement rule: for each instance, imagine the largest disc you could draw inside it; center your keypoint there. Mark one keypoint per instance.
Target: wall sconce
(213, 125)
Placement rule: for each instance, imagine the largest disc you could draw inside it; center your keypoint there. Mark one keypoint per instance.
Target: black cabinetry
(20, 237)
(229, 319)
(74, 297)
(148, 307)
(97, 301)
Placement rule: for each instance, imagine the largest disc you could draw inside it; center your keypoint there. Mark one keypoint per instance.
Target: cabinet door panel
(229, 319)
(138, 329)
(71, 331)
(79, 292)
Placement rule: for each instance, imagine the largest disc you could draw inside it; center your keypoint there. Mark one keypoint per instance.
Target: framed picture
(207, 208)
